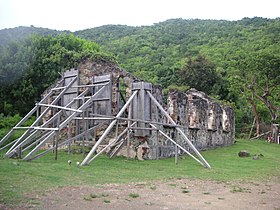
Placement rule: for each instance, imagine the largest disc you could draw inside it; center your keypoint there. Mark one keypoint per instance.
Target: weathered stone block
(244, 153)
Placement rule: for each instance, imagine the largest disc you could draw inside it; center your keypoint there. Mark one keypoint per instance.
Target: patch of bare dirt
(172, 194)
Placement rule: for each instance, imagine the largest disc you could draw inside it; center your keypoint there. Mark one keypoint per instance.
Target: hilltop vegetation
(30, 66)
(22, 32)
(237, 62)
(166, 45)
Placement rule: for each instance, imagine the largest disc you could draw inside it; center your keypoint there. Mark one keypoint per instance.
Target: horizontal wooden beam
(61, 107)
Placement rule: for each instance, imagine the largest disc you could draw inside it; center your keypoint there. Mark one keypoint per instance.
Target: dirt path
(172, 194)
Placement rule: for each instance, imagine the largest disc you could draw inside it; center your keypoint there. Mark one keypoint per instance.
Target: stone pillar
(226, 121)
(211, 119)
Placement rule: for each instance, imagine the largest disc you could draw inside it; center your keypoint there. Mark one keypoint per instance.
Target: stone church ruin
(104, 108)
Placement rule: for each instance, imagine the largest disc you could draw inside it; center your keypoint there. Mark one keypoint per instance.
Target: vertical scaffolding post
(83, 130)
(129, 130)
(57, 137)
(157, 146)
(176, 154)
(56, 144)
(68, 137)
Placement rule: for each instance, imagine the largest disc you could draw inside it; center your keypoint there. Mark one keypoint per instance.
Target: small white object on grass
(69, 162)
(78, 163)
(16, 163)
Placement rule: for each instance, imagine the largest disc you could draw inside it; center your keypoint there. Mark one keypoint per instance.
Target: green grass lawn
(18, 178)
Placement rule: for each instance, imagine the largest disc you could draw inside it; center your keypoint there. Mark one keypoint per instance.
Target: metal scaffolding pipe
(40, 117)
(87, 159)
(64, 123)
(178, 145)
(60, 107)
(35, 108)
(205, 163)
(111, 143)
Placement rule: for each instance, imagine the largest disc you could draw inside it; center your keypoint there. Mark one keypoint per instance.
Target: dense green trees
(198, 73)
(22, 32)
(258, 79)
(244, 55)
(234, 61)
(30, 66)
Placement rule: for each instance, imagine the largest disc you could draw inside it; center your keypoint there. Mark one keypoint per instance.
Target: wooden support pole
(87, 160)
(157, 147)
(35, 142)
(174, 142)
(63, 143)
(56, 145)
(157, 139)
(8, 135)
(57, 137)
(86, 126)
(64, 123)
(128, 130)
(141, 128)
(9, 144)
(61, 107)
(42, 127)
(263, 134)
(106, 117)
(35, 108)
(84, 130)
(41, 116)
(38, 114)
(68, 137)
(110, 144)
(176, 154)
(49, 136)
(117, 130)
(176, 147)
(205, 163)
(19, 152)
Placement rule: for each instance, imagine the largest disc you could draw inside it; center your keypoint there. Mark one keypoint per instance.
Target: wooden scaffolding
(85, 108)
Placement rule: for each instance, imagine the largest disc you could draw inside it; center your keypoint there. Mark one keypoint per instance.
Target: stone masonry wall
(205, 122)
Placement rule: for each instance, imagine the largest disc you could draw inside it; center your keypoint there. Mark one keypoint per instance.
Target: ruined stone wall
(121, 90)
(90, 69)
(206, 123)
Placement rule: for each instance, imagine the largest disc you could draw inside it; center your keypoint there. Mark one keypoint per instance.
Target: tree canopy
(233, 61)
(198, 73)
(30, 66)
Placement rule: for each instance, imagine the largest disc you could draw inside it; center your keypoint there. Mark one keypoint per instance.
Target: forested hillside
(28, 67)
(20, 33)
(158, 50)
(234, 61)
(237, 62)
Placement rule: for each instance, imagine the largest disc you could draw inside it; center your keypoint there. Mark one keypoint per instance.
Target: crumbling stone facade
(207, 123)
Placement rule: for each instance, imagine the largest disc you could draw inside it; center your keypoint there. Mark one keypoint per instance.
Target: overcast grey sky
(81, 14)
